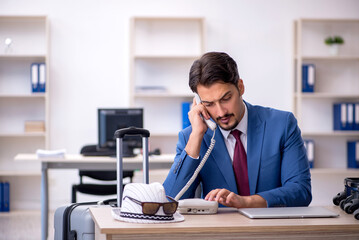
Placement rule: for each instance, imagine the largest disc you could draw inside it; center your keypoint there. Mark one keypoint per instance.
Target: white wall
(89, 65)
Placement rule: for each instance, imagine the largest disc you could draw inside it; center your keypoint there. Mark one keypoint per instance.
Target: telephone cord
(198, 169)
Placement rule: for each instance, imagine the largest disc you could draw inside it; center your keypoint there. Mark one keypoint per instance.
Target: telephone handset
(198, 205)
(209, 123)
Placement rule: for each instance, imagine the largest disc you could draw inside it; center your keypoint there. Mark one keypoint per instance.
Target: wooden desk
(228, 224)
(77, 161)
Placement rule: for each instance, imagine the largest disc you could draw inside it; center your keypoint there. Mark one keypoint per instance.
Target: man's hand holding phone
(200, 121)
(195, 116)
(203, 112)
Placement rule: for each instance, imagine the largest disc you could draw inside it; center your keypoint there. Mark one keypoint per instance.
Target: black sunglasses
(150, 208)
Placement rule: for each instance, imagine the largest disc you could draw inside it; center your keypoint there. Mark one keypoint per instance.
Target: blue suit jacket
(278, 168)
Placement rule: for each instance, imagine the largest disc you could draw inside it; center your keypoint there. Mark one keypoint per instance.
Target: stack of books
(353, 154)
(346, 116)
(308, 77)
(34, 126)
(4, 197)
(309, 146)
(38, 77)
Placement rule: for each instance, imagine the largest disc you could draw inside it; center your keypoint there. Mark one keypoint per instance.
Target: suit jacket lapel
(222, 158)
(255, 135)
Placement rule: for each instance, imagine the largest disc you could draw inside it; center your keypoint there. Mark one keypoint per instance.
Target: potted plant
(334, 43)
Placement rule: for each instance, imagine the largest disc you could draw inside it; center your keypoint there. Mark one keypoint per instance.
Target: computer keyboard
(109, 153)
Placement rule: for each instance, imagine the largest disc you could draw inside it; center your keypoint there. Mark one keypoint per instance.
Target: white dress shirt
(229, 138)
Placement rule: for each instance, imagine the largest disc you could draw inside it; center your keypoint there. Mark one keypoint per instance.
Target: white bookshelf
(20, 173)
(29, 44)
(162, 52)
(336, 80)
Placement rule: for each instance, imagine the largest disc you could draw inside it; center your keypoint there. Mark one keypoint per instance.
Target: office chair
(97, 189)
(348, 200)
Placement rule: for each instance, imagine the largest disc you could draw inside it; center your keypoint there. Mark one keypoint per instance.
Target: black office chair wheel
(339, 197)
(356, 214)
(345, 201)
(351, 206)
(342, 203)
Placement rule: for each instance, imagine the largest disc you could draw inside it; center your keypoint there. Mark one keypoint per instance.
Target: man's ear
(241, 87)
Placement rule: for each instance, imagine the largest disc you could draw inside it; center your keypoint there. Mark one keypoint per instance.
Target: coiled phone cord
(198, 169)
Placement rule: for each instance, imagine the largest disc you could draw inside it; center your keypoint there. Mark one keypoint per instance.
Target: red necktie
(240, 165)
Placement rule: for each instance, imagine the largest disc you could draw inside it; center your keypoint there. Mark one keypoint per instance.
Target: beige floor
(23, 225)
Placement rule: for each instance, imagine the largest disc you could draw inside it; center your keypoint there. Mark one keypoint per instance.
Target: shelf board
(164, 56)
(153, 94)
(326, 95)
(22, 17)
(25, 95)
(336, 58)
(335, 171)
(20, 56)
(332, 134)
(330, 20)
(34, 134)
(14, 173)
(167, 18)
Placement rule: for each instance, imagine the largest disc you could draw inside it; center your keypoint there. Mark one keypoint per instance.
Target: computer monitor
(110, 120)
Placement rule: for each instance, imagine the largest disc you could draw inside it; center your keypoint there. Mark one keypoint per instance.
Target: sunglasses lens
(170, 208)
(150, 208)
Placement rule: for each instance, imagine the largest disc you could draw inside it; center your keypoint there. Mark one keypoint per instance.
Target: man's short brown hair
(213, 67)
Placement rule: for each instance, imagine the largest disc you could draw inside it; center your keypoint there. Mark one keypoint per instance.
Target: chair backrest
(104, 175)
(88, 148)
(99, 175)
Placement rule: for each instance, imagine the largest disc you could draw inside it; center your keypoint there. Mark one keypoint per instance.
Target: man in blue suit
(277, 170)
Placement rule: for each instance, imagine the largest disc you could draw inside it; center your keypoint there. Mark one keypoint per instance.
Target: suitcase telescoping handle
(119, 135)
(132, 131)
